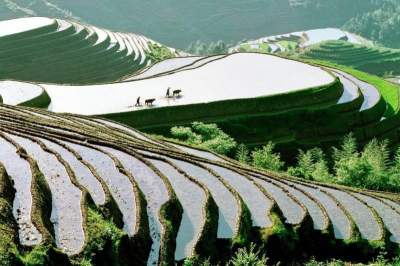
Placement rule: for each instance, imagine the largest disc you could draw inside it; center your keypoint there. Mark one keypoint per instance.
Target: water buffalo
(176, 92)
(149, 102)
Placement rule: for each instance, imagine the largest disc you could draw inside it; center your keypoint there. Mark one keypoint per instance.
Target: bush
(159, 53)
(380, 261)
(348, 167)
(311, 165)
(196, 261)
(242, 154)
(208, 136)
(394, 173)
(248, 257)
(313, 262)
(266, 158)
(186, 134)
(370, 168)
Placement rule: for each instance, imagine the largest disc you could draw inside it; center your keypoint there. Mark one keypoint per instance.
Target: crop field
(330, 100)
(298, 40)
(70, 52)
(372, 59)
(224, 73)
(296, 104)
(270, 94)
(167, 200)
(81, 185)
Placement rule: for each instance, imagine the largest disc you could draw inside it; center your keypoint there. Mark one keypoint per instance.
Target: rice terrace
(122, 149)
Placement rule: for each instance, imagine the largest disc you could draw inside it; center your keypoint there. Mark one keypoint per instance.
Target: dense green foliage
(247, 257)
(372, 167)
(380, 261)
(253, 257)
(380, 25)
(266, 158)
(243, 257)
(159, 53)
(207, 136)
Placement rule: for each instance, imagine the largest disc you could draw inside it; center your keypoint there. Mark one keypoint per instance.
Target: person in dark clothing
(168, 92)
(138, 102)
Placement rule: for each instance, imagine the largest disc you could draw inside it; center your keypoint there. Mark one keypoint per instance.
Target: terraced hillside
(270, 98)
(77, 189)
(375, 60)
(61, 51)
(291, 42)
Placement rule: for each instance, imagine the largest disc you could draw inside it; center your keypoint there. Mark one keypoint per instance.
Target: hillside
(379, 25)
(284, 100)
(292, 103)
(71, 52)
(375, 60)
(329, 44)
(109, 184)
(178, 23)
(81, 185)
(294, 41)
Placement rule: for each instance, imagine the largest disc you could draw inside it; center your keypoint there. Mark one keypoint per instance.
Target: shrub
(186, 134)
(380, 261)
(159, 53)
(242, 154)
(266, 158)
(208, 136)
(196, 261)
(348, 168)
(313, 262)
(367, 169)
(248, 257)
(394, 173)
(311, 165)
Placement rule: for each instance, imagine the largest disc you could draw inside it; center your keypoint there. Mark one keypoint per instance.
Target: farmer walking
(167, 95)
(137, 101)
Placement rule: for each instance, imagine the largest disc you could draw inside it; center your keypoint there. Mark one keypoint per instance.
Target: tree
(311, 165)
(242, 154)
(380, 25)
(266, 158)
(248, 257)
(394, 171)
(349, 169)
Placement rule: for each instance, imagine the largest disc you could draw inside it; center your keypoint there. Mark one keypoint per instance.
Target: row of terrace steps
(113, 163)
